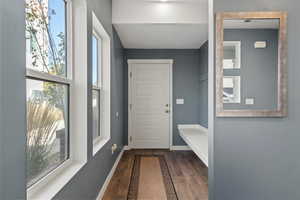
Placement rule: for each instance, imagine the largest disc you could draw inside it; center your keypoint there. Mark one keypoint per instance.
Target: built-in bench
(196, 137)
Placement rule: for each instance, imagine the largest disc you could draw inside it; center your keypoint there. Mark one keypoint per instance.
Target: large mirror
(251, 74)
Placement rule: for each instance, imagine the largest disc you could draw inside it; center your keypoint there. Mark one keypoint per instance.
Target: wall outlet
(249, 101)
(114, 148)
(179, 101)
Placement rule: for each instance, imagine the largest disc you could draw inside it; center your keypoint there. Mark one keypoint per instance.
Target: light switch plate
(179, 101)
(260, 44)
(249, 101)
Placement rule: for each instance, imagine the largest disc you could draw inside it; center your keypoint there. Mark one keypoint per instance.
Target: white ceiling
(162, 36)
(152, 24)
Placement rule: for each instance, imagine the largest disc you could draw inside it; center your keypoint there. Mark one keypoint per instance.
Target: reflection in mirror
(250, 60)
(232, 55)
(231, 89)
(251, 68)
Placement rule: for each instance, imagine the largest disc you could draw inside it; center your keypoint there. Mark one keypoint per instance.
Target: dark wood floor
(188, 173)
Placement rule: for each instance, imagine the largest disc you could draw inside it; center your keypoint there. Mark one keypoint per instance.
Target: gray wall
(258, 67)
(12, 100)
(1, 105)
(203, 52)
(88, 182)
(258, 158)
(186, 84)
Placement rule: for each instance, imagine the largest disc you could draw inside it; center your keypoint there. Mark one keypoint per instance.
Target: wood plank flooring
(188, 173)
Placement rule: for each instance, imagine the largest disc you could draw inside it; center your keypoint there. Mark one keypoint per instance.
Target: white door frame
(150, 61)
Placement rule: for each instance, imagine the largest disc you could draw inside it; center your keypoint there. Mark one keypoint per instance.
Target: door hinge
(130, 138)
(130, 74)
(130, 106)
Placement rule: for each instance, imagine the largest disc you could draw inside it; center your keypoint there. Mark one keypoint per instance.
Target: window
(101, 85)
(56, 97)
(232, 55)
(97, 82)
(47, 127)
(47, 87)
(46, 36)
(232, 89)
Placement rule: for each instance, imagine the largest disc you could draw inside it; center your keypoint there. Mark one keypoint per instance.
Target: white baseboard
(180, 148)
(126, 148)
(110, 175)
(172, 148)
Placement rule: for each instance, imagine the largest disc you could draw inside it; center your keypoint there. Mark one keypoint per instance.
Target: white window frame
(236, 91)
(52, 183)
(104, 86)
(237, 47)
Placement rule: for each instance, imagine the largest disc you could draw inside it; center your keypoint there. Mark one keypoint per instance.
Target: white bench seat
(196, 137)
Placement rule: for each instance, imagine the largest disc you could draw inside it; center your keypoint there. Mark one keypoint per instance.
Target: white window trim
(105, 124)
(53, 182)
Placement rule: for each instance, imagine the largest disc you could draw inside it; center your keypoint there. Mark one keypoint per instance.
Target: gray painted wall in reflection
(258, 70)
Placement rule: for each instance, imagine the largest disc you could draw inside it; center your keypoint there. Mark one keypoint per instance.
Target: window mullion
(30, 73)
(96, 88)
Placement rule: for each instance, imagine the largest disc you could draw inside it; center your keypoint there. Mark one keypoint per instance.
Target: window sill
(51, 184)
(98, 144)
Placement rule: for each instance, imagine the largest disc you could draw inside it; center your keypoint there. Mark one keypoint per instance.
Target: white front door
(149, 103)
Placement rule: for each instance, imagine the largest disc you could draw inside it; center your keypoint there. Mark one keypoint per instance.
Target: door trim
(150, 61)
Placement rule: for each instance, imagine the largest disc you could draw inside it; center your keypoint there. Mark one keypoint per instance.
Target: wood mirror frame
(281, 110)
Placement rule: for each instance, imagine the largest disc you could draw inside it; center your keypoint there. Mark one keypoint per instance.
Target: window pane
(95, 61)
(46, 36)
(47, 128)
(96, 114)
